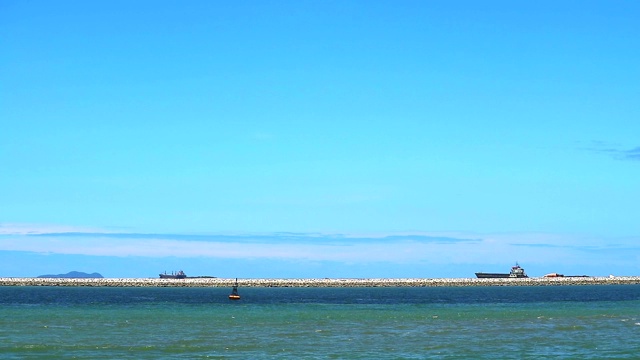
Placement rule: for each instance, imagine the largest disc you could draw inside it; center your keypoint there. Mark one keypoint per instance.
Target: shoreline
(348, 283)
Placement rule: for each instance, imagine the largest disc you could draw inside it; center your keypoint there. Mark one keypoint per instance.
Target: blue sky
(319, 138)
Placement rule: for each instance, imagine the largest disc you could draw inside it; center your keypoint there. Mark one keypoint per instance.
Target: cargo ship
(174, 275)
(516, 272)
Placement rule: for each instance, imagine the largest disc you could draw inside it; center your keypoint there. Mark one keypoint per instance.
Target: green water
(316, 324)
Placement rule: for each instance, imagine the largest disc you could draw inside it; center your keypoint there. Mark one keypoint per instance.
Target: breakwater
(222, 282)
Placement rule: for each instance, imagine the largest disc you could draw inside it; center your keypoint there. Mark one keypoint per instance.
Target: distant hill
(74, 275)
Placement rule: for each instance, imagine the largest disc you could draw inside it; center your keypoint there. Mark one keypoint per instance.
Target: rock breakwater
(222, 282)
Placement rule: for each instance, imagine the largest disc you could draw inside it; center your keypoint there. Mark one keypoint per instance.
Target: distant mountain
(74, 275)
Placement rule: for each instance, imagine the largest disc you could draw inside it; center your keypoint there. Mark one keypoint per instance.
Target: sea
(493, 322)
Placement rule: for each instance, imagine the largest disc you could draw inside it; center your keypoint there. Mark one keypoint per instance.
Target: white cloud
(178, 248)
(407, 248)
(26, 229)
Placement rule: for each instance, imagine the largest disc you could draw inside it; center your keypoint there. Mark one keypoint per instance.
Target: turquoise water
(579, 322)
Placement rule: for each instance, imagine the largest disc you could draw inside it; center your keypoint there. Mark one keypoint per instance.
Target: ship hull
(491, 275)
(498, 276)
(166, 276)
